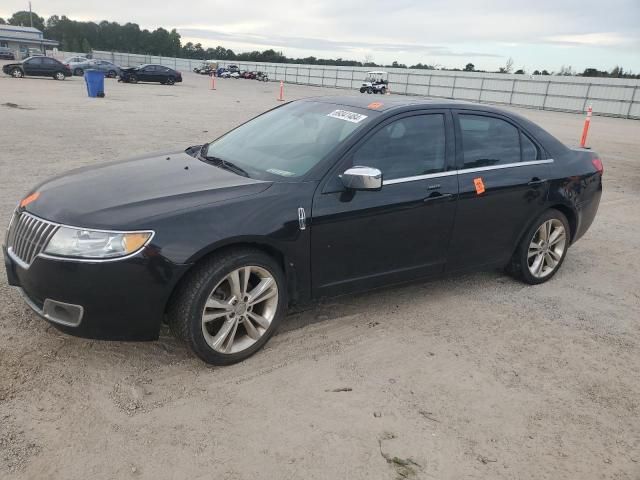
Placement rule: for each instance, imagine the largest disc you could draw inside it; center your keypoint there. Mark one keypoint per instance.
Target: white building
(24, 41)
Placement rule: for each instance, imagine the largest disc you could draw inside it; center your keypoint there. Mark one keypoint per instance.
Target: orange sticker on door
(479, 185)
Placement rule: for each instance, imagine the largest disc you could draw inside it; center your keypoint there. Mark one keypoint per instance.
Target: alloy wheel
(59, 76)
(240, 309)
(546, 248)
(17, 73)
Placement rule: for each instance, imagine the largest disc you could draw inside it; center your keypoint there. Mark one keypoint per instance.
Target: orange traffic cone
(281, 98)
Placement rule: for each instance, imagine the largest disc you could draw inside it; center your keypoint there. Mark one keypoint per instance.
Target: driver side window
(407, 147)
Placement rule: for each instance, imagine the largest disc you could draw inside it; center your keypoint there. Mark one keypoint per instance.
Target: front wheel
(170, 81)
(111, 74)
(78, 72)
(383, 91)
(133, 79)
(542, 249)
(369, 90)
(229, 306)
(17, 73)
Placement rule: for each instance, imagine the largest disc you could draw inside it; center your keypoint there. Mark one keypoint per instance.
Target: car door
(146, 74)
(503, 177)
(362, 239)
(33, 66)
(50, 66)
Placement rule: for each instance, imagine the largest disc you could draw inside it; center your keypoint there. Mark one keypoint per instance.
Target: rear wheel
(59, 76)
(542, 249)
(78, 72)
(369, 90)
(17, 73)
(111, 74)
(229, 306)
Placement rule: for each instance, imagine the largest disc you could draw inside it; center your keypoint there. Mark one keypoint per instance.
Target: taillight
(598, 164)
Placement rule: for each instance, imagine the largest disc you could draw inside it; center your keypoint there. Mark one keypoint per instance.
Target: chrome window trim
(466, 170)
(506, 165)
(76, 259)
(419, 177)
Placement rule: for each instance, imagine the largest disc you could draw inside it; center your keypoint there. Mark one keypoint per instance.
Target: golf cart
(207, 68)
(375, 82)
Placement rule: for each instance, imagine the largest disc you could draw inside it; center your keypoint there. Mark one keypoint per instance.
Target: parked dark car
(38, 67)
(150, 73)
(6, 54)
(315, 198)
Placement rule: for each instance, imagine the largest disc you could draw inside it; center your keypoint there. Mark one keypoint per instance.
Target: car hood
(126, 194)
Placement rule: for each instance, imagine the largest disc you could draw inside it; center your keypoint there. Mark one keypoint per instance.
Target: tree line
(75, 36)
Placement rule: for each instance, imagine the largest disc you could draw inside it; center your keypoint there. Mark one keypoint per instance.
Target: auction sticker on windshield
(348, 116)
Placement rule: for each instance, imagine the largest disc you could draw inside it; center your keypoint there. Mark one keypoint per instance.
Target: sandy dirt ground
(476, 376)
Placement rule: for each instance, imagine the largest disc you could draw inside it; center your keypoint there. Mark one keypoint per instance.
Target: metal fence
(608, 96)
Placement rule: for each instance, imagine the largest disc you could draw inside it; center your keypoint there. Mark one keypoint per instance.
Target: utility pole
(30, 15)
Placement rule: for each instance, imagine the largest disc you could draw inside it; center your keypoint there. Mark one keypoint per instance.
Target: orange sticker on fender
(374, 105)
(31, 198)
(479, 185)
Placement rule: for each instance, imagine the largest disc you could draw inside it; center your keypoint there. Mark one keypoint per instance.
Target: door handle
(536, 181)
(438, 196)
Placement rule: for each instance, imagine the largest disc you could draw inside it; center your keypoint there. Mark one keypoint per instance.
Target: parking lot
(477, 376)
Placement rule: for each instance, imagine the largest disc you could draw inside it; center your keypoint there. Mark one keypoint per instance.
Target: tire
(111, 74)
(207, 291)
(383, 91)
(132, 79)
(59, 76)
(542, 251)
(78, 72)
(369, 90)
(17, 73)
(362, 90)
(171, 81)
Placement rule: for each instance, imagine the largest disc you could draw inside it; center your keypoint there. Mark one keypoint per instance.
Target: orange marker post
(585, 129)
(281, 98)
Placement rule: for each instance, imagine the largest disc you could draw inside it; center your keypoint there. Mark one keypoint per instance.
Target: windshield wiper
(227, 165)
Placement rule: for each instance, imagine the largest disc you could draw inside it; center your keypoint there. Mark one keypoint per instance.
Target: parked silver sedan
(110, 70)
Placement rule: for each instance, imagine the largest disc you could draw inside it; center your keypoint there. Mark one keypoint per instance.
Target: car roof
(385, 103)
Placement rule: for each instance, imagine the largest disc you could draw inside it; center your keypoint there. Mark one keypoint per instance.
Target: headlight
(79, 242)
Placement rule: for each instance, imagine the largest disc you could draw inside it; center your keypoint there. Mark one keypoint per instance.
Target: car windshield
(288, 141)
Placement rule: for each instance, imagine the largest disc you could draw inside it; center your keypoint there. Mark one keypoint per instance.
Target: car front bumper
(119, 300)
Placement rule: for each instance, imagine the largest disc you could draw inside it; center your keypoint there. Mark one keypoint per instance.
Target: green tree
(24, 18)
(2, 22)
(469, 67)
(86, 46)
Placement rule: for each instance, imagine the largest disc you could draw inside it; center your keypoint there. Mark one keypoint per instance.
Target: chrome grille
(28, 236)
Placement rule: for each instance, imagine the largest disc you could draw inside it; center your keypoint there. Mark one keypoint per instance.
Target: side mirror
(362, 178)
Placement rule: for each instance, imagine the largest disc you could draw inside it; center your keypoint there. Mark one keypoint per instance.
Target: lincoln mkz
(318, 197)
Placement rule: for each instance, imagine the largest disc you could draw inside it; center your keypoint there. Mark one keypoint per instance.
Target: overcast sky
(537, 34)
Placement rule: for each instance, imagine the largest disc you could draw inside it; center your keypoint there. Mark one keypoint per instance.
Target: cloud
(326, 45)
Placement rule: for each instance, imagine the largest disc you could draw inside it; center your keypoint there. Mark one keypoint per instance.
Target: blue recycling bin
(95, 83)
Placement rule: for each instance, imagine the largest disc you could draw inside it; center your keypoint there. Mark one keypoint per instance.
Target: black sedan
(150, 73)
(39, 66)
(315, 198)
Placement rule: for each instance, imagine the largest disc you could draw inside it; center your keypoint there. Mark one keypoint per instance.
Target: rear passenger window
(488, 141)
(407, 147)
(529, 149)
